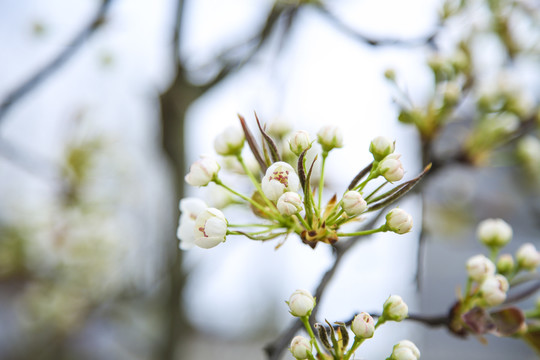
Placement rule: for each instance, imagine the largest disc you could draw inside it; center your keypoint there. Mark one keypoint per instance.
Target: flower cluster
(287, 194)
(333, 341)
(489, 280)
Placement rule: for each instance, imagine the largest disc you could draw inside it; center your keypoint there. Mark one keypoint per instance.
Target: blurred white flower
(528, 257)
(230, 141)
(479, 267)
(330, 137)
(493, 289)
(494, 232)
(190, 208)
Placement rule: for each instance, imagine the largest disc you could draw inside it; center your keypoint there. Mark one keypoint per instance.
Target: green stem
(375, 191)
(333, 218)
(251, 201)
(252, 225)
(303, 222)
(365, 232)
(253, 180)
(493, 252)
(321, 180)
(468, 287)
(305, 321)
(356, 344)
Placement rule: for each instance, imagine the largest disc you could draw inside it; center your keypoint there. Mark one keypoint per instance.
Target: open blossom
(210, 228)
(300, 347)
(363, 326)
(301, 303)
(479, 267)
(353, 203)
(380, 147)
(190, 208)
(494, 232)
(280, 178)
(493, 289)
(395, 309)
(399, 221)
(405, 350)
(391, 168)
(230, 141)
(202, 171)
(330, 137)
(528, 257)
(289, 203)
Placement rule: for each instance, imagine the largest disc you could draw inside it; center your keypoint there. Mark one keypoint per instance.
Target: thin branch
(56, 63)
(177, 33)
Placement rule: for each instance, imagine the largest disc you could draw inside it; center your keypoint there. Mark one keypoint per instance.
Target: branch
(56, 63)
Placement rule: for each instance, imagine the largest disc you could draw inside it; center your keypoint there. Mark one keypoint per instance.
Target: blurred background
(105, 103)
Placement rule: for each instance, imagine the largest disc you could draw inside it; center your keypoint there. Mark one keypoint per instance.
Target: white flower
(405, 350)
(301, 303)
(202, 171)
(363, 326)
(380, 147)
(279, 127)
(391, 168)
(190, 208)
(353, 203)
(300, 347)
(493, 289)
(479, 267)
(399, 221)
(494, 232)
(527, 257)
(299, 142)
(395, 309)
(280, 178)
(210, 228)
(330, 137)
(289, 203)
(230, 141)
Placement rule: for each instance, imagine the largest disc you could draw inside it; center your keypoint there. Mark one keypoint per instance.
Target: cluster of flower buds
(285, 194)
(332, 341)
(489, 280)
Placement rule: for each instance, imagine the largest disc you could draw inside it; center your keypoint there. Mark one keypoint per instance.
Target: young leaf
(271, 144)
(252, 144)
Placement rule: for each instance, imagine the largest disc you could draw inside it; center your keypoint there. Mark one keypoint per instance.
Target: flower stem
(365, 232)
(305, 321)
(253, 180)
(303, 222)
(321, 180)
(251, 201)
(356, 344)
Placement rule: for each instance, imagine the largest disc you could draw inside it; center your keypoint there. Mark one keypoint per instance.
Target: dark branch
(56, 63)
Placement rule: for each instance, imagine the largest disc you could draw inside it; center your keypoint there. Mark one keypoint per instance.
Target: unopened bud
(405, 350)
(230, 141)
(299, 142)
(279, 128)
(289, 203)
(395, 309)
(399, 221)
(493, 289)
(330, 137)
(353, 203)
(380, 147)
(391, 168)
(528, 257)
(301, 303)
(202, 172)
(300, 347)
(363, 326)
(494, 232)
(505, 264)
(479, 267)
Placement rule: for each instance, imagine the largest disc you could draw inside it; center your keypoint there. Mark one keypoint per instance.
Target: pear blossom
(330, 137)
(494, 232)
(528, 257)
(353, 203)
(399, 221)
(280, 178)
(479, 267)
(279, 127)
(300, 347)
(380, 147)
(391, 168)
(363, 326)
(190, 208)
(289, 203)
(202, 172)
(405, 350)
(230, 141)
(395, 309)
(299, 142)
(301, 303)
(210, 228)
(493, 289)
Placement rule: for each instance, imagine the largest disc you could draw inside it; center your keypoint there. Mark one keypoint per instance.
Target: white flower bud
(202, 171)
(405, 350)
(395, 309)
(279, 178)
(301, 303)
(230, 141)
(391, 168)
(527, 257)
(479, 267)
(363, 326)
(210, 228)
(289, 203)
(330, 137)
(300, 347)
(353, 203)
(380, 147)
(398, 221)
(299, 142)
(279, 127)
(528, 150)
(505, 264)
(190, 208)
(494, 232)
(493, 289)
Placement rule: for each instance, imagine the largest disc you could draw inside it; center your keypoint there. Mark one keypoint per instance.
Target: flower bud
(300, 347)
(399, 221)
(279, 127)
(395, 309)
(230, 141)
(210, 228)
(380, 147)
(493, 289)
(190, 208)
(494, 232)
(391, 168)
(479, 267)
(505, 264)
(405, 350)
(363, 326)
(330, 137)
(289, 203)
(280, 178)
(527, 257)
(353, 203)
(301, 303)
(390, 74)
(202, 171)
(528, 151)
(299, 142)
